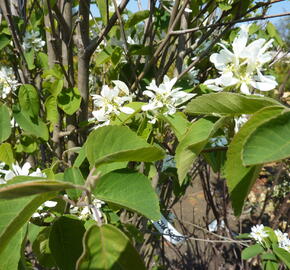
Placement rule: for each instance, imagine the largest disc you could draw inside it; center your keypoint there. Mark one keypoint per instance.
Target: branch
(93, 45)
(181, 32)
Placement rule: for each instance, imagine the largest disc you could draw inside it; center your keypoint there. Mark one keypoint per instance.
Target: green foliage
(130, 190)
(240, 178)
(136, 18)
(65, 241)
(69, 100)
(228, 104)
(117, 143)
(6, 153)
(74, 176)
(252, 251)
(269, 142)
(23, 188)
(34, 126)
(5, 126)
(28, 100)
(15, 213)
(106, 247)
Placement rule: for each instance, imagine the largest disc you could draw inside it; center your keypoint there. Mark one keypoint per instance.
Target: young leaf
(269, 142)
(6, 153)
(69, 100)
(224, 103)
(51, 110)
(15, 213)
(74, 176)
(105, 248)
(28, 99)
(282, 254)
(130, 190)
(240, 178)
(118, 143)
(252, 251)
(28, 188)
(34, 126)
(65, 242)
(5, 126)
(136, 18)
(4, 41)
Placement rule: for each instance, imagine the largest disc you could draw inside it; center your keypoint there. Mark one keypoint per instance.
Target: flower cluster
(258, 233)
(17, 170)
(283, 240)
(8, 81)
(32, 40)
(163, 99)
(110, 103)
(243, 67)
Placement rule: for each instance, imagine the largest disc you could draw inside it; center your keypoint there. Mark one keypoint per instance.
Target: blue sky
(276, 8)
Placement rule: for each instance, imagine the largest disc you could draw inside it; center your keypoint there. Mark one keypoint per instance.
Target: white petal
(127, 110)
(245, 89)
(122, 86)
(149, 107)
(50, 204)
(149, 94)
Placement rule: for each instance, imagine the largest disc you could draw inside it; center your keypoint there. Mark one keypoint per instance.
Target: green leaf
(178, 123)
(282, 254)
(27, 144)
(193, 143)
(5, 126)
(104, 56)
(34, 126)
(69, 100)
(28, 99)
(42, 60)
(136, 18)
(40, 247)
(4, 41)
(272, 31)
(224, 103)
(105, 248)
(240, 178)
(130, 190)
(56, 87)
(74, 176)
(15, 213)
(102, 5)
(10, 256)
(6, 153)
(27, 188)
(29, 57)
(270, 265)
(118, 143)
(65, 242)
(269, 142)
(51, 110)
(252, 251)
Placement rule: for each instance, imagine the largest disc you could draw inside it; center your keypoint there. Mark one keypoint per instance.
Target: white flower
(258, 233)
(23, 171)
(8, 81)
(32, 40)
(242, 67)
(163, 99)
(96, 206)
(111, 102)
(240, 121)
(283, 240)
